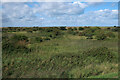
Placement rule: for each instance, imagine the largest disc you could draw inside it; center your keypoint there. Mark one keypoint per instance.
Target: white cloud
(59, 0)
(22, 12)
(94, 0)
(100, 17)
(82, 5)
(17, 14)
(58, 9)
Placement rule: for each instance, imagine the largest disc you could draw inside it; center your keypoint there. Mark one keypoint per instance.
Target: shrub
(101, 36)
(56, 32)
(88, 33)
(93, 29)
(110, 35)
(29, 31)
(17, 43)
(115, 29)
(8, 47)
(74, 28)
(73, 32)
(49, 29)
(70, 29)
(52, 36)
(17, 38)
(89, 37)
(81, 34)
(108, 28)
(46, 38)
(80, 28)
(39, 39)
(62, 28)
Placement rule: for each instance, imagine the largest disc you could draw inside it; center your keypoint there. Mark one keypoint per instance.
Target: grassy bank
(60, 52)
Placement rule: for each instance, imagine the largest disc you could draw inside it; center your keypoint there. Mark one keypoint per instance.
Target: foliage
(74, 28)
(101, 36)
(46, 38)
(70, 29)
(110, 35)
(80, 28)
(39, 39)
(56, 32)
(101, 53)
(17, 38)
(116, 29)
(62, 28)
(49, 29)
(17, 43)
(88, 33)
(58, 54)
(81, 34)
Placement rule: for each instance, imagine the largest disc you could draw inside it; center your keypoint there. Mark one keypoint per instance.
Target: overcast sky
(75, 13)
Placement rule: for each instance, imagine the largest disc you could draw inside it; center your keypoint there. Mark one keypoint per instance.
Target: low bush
(52, 36)
(46, 38)
(16, 44)
(62, 28)
(89, 37)
(30, 31)
(88, 33)
(17, 38)
(110, 35)
(49, 29)
(74, 28)
(56, 32)
(101, 36)
(80, 28)
(81, 34)
(116, 29)
(39, 39)
(70, 29)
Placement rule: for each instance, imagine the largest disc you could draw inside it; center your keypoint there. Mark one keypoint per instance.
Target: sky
(60, 0)
(74, 13)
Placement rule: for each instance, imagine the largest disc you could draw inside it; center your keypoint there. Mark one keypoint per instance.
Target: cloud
(23, 11)
(94, 0)
(55, 8)
(55, 13)
(111, 14)
(19, 13)
(101, 17)
(60, 0)
(82, 5)
(104, 17)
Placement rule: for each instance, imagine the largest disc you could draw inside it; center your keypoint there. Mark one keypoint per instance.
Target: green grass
(62, 57)
(110, 75)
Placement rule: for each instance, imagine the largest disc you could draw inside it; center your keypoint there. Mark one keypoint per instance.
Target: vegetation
(60, 52)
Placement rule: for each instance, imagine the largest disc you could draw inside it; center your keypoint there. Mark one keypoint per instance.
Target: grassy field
(60, 53)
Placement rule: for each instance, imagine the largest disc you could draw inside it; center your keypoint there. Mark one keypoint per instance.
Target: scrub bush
(101, 36)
